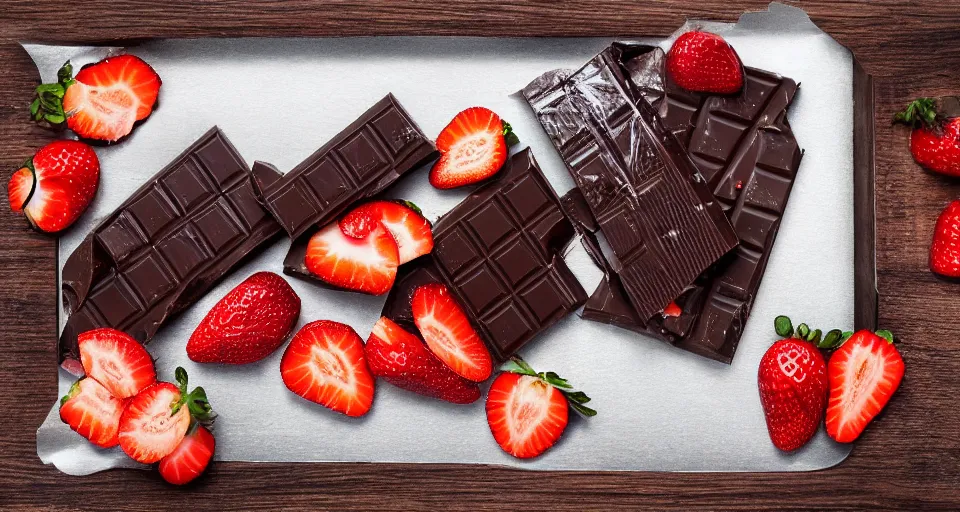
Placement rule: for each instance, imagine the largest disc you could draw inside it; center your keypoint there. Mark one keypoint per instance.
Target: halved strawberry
(402, 359)
(117, 361)
(156, 420)
(448, 333)
(324, 363)
(472, 148)
(367, 264)
(55, 186)
(527, 411)
(103, 101)
(191, 457)
(863, 373)
(92, 412)
(403, 220)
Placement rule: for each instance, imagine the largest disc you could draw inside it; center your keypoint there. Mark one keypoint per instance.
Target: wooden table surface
(909, 459)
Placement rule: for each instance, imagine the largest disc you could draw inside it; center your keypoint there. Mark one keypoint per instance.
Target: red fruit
(103, 101)
(249, 322)
(149, 430)
(672, 309)
(526, 415)
(190, 458)
(472, 148)
(56, 186)
(945, 249)
(324, 363)
(793, 391)
(704, 62)
(401, 359)
(448, 333)
(92, 412)
(935, 139)
(367, 264)
(409, 229)
(864, 373)
(156, 420)
(116, 360)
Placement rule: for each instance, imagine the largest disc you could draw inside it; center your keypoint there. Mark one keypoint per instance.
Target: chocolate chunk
(358, 163)
(659, 225)
(746, 151)
(499, 253)
(165, 246)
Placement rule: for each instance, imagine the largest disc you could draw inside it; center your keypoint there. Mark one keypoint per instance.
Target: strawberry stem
(47, 108)
(509, 136)
(919, 112)
(575, 399)
(196, 400)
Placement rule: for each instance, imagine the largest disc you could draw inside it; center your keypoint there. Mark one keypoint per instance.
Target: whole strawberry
(704, 62)
(935, 139)
(793, 385)
(249, 322)
(55, 187)
(945, 249)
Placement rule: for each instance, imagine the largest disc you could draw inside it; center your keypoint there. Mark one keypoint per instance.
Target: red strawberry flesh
(409, 229)
(325, 363)
(402, 359)
(472, 149)
(448, 333)
(864, 373)
(149, 430)
(525, 414)
(249, 323)
(190, 459)
(92, 412)
(117, 361)
(367, 265)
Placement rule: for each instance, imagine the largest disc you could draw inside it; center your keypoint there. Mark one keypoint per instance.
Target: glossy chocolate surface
(166, 245)
(749, 157)
(361, 161)
(662, 226)
(499, 252)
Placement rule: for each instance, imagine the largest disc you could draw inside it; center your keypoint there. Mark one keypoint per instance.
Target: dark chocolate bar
(749, 157)
(660, 222)
(499, 252)
(166, 245)
(358, 163)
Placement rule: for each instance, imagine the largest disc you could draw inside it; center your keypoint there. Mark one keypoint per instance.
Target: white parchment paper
(659, 408)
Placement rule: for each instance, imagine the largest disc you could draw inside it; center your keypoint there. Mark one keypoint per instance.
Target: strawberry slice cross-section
(472, 148)
(447, 331)
(325, 363)
(91, 411)
(366, 263)
(404, 221)
(117, 361)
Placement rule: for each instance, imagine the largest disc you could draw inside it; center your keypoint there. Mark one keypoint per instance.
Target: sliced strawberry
(864, 373)
(20, 188)
(105, 99)
(117, 361)
(191, 457)
(448, 333)
(92, 412)
(56, 186)
(367, 264)
(472, 149)
(156, 420)
(403, 360)
(248, 324)
(324, 363)
(407, 226)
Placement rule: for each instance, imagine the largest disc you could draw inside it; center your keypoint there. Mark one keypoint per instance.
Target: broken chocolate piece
(166, 245)
(660, 222)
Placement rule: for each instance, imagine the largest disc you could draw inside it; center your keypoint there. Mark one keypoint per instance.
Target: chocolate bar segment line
(166, 245)
(661, 223)
(359, 162)
(498, 252)
(744, 147)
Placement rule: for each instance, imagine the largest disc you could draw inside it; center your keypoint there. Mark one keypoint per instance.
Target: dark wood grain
(908, 459)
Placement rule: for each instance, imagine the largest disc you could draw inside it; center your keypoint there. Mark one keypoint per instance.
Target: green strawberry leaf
(832, 339)
(509, 136)
(783, 326)
(885, 334)
(517, 365)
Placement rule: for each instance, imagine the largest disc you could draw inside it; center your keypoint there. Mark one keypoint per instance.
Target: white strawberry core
(527, 406)
(862, 374)
(472, 151)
